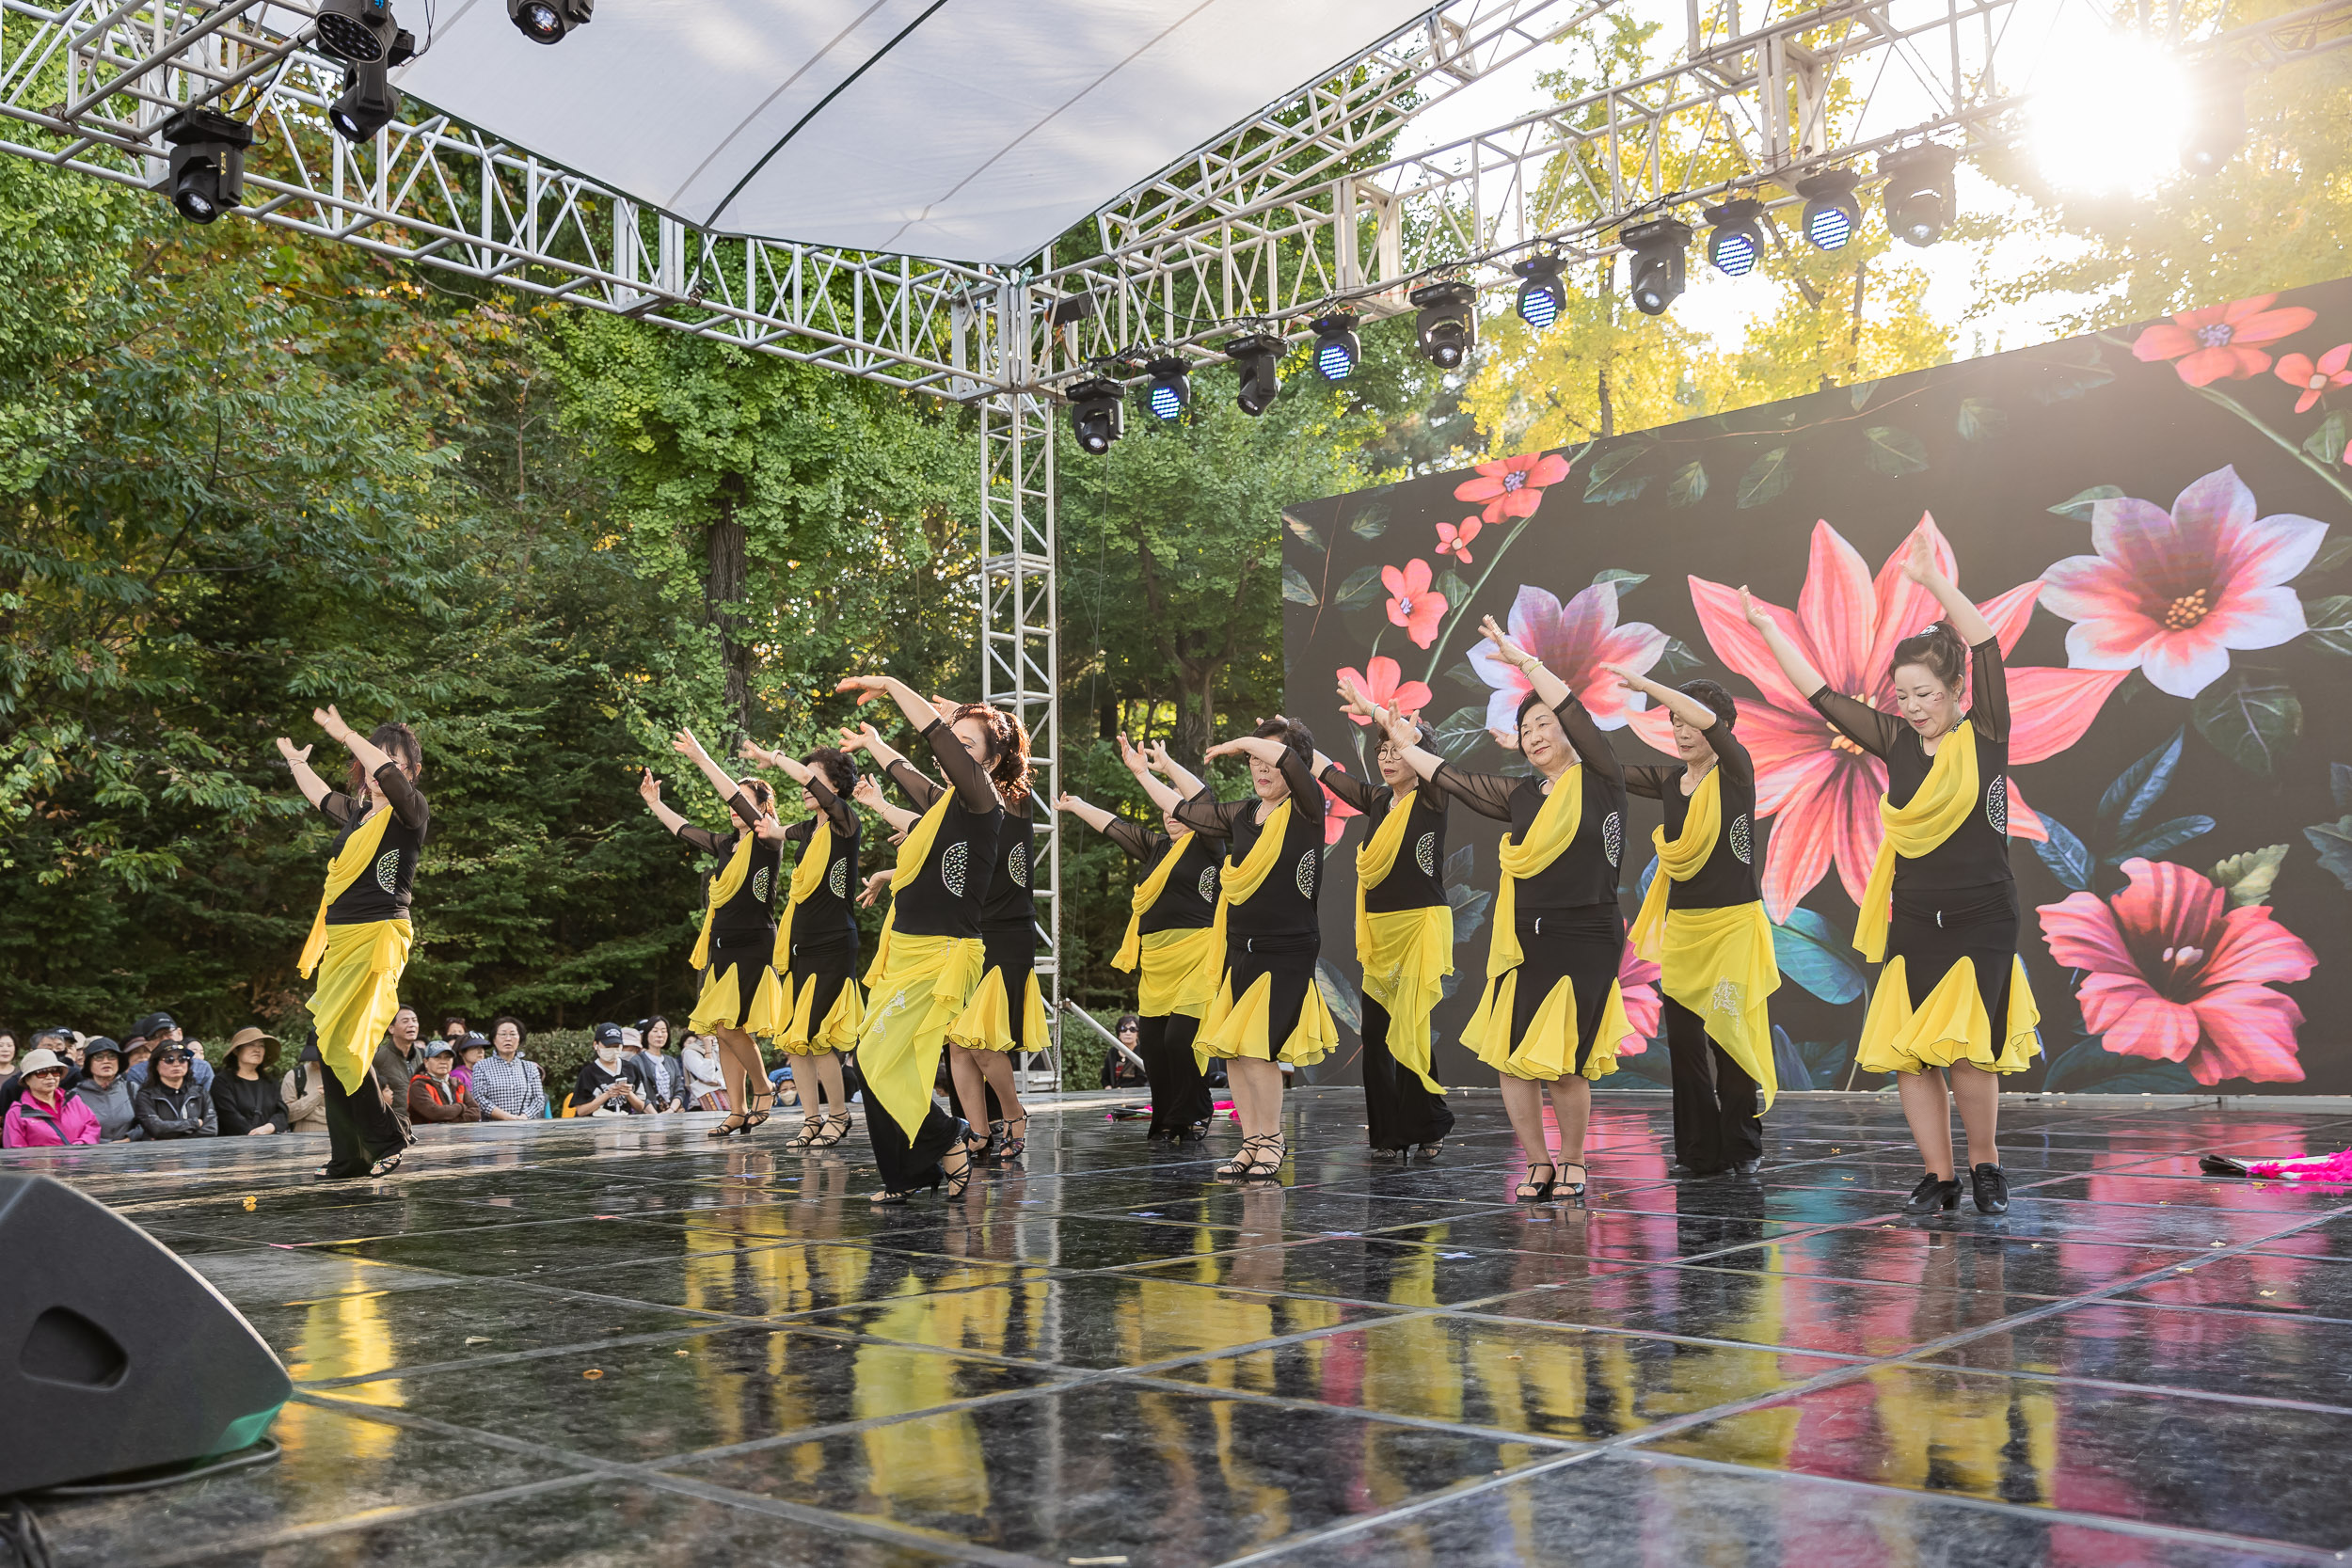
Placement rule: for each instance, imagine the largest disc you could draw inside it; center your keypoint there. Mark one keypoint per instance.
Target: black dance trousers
(1398, 1107)
(1180, 1096)
(360, 1128)
(908, 1163)
(1716, 1122)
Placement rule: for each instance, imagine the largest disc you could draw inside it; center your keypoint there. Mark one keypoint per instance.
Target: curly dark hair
(763, 794)
(1008, 748)
(1726, 711)
(1940, 650)
(834, 764)
(1291, 732)
(397, 741)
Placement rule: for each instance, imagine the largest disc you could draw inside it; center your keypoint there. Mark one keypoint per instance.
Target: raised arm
(1306, 794)
(870, 795)
(836, 810)
(1346, 785)
(1652, 782)
(1092, 816)
(965, 773)
(1861, 724)
(1141, 763)
(399, 792)
(685, 745)
(314, 789)
(918, 786)
(650, 791)
(1988, 684)
(913, 706)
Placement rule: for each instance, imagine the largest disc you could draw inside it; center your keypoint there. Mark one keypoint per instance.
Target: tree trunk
(1608, 425)
(1194, 724)
(723, 588)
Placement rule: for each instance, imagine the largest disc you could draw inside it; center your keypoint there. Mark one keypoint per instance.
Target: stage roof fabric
(963, 130)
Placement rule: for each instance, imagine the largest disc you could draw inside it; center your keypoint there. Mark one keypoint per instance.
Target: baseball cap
(608, 1033)
(437, 1046)
(98, 1043)
(474, 1040)
(152, 1024)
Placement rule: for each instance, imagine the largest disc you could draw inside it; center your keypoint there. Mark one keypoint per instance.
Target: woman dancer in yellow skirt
(1172, 946)
(359, 939)
(1268, 1009)
(1552, 1012)
(738, 937)
(1403, 939)
(1952, 1004)
(811, 991)
(928, 964)
(1703, 923)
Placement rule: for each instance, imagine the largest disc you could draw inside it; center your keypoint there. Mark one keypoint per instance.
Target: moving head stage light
(1544, 295)
(1918, 193)
(369, 102)
(1449, 323)
(548, 20)
(1336, 351)
(355, 30)
(1258, 362)
(207, 176)
(1657, 264)
(1737, 236)
(1097, 414)
(1831, 212)
(1168, 393)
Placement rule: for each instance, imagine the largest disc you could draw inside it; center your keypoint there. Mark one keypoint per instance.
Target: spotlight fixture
(207, 175)
(1918, 193)
(355, 30)
(1258, 359)
(1738, 238)
(2216, 120)
(1337, 350)
(1657, 249)
(1831, 212)
(1449, 323)
(1097, 414)
(1543, 297)
(548, 20)
(1168, 393)
(369, 102)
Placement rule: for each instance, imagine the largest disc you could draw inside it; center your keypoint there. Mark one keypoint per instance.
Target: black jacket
(244, 1106)
(186, 1112)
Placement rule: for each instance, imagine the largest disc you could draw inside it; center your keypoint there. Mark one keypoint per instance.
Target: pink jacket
(31, 1126)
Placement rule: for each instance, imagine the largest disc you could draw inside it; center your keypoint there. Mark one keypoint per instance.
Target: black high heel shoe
(1564, 1188)
(1992, 1190)
(1533, 1191)
(1008, 1147)
(1932, 1196)
(1252, 1164)
(895, 1197)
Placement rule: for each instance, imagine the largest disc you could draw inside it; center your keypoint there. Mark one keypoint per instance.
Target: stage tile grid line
(622, 1342)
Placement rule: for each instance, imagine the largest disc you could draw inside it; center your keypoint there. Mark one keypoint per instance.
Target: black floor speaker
(114, 1354)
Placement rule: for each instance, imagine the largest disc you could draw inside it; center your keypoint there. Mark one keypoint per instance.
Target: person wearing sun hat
(246, 1093)
(44, 1116)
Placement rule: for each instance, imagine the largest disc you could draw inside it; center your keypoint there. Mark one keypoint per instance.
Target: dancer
(1952, 1004)
(738, 937)
(1552, 1012)
(814, 967)
(1703, 923)
(1403, 938)
(359, 939)
(1171, 945)
(929, 962)
(1267, 1009)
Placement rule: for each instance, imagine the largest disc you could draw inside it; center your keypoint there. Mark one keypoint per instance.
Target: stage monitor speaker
(114, 1354)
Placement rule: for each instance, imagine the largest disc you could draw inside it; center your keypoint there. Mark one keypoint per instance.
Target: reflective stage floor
(600, 1343)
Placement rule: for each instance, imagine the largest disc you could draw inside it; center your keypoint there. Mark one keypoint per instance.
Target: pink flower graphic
(1573, 641)
(2171, 593)
(1513, 486)
(1455, 542)
(1411, 605)
(2216, 343)
(2318, 378)
(1335, 815)
(1637, 987)
(2176, 975)
(1378, 679)
(1823, 787)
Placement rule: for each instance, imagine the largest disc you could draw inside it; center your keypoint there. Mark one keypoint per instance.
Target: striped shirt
(515, 1087)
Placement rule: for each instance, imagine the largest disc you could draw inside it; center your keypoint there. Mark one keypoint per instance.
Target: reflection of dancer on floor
(359, 939)
(928, 964)
(1267, 1009)
(1171, 945)
(814, 966)
(1703, 923)
(1552, 1012)
(737, 938)
(1403, 938)
(1953, 994)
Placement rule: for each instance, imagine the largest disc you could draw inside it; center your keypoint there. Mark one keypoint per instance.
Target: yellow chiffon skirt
(790, 1007)
(1720, 964)
(1178, 971)
(1406, 955)
(1951, 1025)
(1256, 1025)
(358, 991)
(917, 986)
(988, 1023)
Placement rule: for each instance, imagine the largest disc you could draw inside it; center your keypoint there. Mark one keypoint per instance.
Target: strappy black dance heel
(955, 1180)
(837, 1128)
(810, 1129)
(1533, 1191)
(1569, 1189)
(1252, 1164)
(762, 1104)
(735, 1123)
(1008, 1147)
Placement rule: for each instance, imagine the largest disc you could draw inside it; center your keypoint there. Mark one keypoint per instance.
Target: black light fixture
(1336, 351)
(207, 176)
(355, 30)
(1448, 327)
(1656, 249)
(1544, 295)
(1257, 361)
(548, 20)
(1831, 212)
(1097, 413)
(1168, 393)
(368, 103)
(2217, 119)
(1918, 193)
(1737, 239)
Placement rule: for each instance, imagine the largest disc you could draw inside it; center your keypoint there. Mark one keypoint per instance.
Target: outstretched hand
(751, 751)
(1752, 613)
(1067, 802)
(685, 745)
(866, 791)
(769, 827)
(866, 687)
(292, 753)
(1138, 763)
(1507, 650)
(331, 721)
(649, 788)
(1629, 678)
(1919, 560)
(1403, 733)
(864, 739)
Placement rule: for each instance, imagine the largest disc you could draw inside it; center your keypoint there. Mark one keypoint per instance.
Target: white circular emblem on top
(1306, 874)
(759, 885)
(839, 878)
(388, 871)
(1997, 803)
(1018, 864)
(1208, 885)
(1740, 838)
(1613, 836)
(953, 864)
(1425, 854)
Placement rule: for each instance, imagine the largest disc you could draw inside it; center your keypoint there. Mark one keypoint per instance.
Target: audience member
(471, 1048)
(171, 1103)
(454, 1028)
(156, 1028)
(246, 1095)
(507, 1087)
(1119, 1071)
(72, 1051)
(605, 1087)
(54, 1041)
(7, 1053)
(135, 1055)
(107, 1093)
(44, 1117)
(661, 1077)
(434, 1092)
(396, 1062)
(304, 1091)
(704, 1086)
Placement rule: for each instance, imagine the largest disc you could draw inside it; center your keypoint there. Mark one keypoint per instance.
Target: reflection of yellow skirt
(986, 1025)
(1246, 1027)
(359, 992)
(1720, 964)
(1950, 1025)
(1406, 955)
(917, 986)
(1178, 972)
(1546, 1050)
(792, 1020)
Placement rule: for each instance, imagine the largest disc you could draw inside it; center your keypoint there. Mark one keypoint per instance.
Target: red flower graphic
(2217, 344)
(1335, 815)
(1824, 788)
(2177, 975)
(1455, 542)
(1513, 486)
(1411, 605)
(1378, 681)
(2318, 378)
(1573, 641)
(1637, 987)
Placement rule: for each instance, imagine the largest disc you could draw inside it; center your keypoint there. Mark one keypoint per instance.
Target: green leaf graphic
(1765, 477)
(1894, 452)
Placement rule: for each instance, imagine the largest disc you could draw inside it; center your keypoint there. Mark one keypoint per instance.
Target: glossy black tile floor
(600, 1343)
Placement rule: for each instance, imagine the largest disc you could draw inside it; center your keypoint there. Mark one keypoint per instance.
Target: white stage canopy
(964, 129)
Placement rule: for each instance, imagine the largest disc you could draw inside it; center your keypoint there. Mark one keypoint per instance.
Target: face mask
(609, 1054)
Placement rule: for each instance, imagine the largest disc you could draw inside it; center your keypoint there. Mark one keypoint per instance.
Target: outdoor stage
(601, 1343)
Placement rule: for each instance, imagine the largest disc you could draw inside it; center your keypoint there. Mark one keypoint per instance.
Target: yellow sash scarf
(1943, 802)
(1240, 881)
(1405, 954)
(1547, 838)
(356, 856)
(1375, 858)
(1681, 861)
(913, 855)
(723, 887)
(1146, 895)
(807, 877)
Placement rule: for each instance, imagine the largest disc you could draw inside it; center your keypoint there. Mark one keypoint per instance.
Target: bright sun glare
(2109, 115)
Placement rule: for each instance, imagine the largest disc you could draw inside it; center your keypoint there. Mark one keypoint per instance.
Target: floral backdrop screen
(2158, 525)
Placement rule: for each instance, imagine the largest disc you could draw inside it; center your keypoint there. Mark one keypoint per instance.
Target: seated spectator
(56, 1042)
(780, 1084)
(246, 1094)
(107, 1093)
(396, 1061)
(156, 1029)
(704, 1086)
(434, 1094)
(134, 1054)
(453, 1029)
(75, 1044)
(661, 1077)
(471, 1049)
(44, 1117)
(604, 1087)
(7, 1053)
(507, 1087)
(1118, 1071)
(171, 1103)
(304, 1091)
